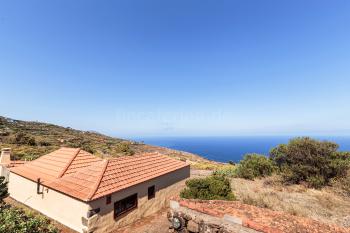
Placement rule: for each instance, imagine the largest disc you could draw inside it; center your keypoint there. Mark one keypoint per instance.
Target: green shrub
(342, 183)
(316, 181)
(44, 143)
(14, 220)
(3, 189)
(214, 187)
(227, 170)
(124, 148)
(88, 148)
(23, 139)
(255, 165)
(311, 161)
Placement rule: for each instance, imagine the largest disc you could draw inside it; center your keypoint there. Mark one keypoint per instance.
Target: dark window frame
(108, 199)
(151, 192)
(125, 205)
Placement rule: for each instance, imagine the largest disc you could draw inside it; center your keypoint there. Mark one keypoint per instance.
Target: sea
(224, 149)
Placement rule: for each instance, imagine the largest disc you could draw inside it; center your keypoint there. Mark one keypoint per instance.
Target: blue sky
(178, 68)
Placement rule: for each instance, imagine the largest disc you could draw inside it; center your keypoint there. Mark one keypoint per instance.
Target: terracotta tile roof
(63, 161)
(79, 174)
(81, 184)
(260, 219)
(113, 175)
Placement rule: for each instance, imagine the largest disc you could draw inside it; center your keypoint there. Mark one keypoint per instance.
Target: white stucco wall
(4, 172)
(166, 186)
(60, 207)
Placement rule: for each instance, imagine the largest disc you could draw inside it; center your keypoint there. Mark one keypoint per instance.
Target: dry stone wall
(184, 220)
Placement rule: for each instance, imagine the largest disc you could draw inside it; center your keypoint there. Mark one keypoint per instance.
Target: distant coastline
(224, 149)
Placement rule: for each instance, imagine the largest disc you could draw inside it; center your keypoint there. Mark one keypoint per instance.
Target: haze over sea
(224, 149)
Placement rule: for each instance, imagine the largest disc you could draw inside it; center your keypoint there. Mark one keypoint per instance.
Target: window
(151, 192)
(108, 199)
(125, 205)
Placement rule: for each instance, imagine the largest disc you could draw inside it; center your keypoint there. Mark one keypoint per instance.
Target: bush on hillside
(255, 165)
(311, 161)
(24, 139)
(214, 187)
(226, 170)
(124, 148)
(14, 220)
(44, 143)
(88, 148)
(343, 183)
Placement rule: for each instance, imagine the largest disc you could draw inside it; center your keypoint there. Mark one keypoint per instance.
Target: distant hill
(30, 139)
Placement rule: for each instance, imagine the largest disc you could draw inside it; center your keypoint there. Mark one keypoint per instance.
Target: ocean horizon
(224, 149)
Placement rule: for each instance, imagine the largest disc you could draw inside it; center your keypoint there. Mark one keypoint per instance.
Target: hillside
(29, 140)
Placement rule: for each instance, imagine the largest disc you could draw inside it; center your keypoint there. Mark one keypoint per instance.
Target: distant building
(90, 194)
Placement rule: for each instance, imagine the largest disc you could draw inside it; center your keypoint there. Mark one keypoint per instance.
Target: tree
(311, 161)
(3, 189)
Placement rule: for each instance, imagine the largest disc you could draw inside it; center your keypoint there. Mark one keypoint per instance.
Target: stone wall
(196, 222)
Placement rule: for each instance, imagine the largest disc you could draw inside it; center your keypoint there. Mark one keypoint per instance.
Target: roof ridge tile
(97, 184)
(69, 163)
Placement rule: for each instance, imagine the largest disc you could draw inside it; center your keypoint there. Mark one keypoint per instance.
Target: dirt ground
(156, 223)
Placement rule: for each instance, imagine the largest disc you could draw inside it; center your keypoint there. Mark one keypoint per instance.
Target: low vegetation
(342, 184)
(15, 220)
(210, 165)
(29, 140)
(214, 187)
(228, 170)
(3, 190)
(255, 165)
(302, 161)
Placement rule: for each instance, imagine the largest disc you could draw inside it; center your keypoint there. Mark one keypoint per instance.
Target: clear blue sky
(185, 67)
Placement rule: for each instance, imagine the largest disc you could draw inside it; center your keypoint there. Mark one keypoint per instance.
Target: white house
(90, 194)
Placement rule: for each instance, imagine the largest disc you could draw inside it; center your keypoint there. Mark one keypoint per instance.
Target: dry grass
(204, 165)
(325, 205)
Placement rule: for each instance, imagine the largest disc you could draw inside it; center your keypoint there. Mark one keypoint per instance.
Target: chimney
(5, 156)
